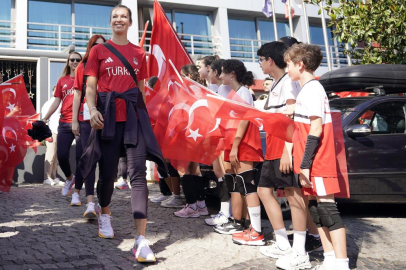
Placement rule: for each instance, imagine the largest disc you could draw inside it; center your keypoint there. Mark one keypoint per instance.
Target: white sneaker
(67, 188)
(90, 212)
(58, 182)
(75, 200)
(160, 198)
(218, 219)
(49, 182)
(173, 202)
(142, 251)
(274, 251)
(121, 184)
(105, 229)
(293, 261)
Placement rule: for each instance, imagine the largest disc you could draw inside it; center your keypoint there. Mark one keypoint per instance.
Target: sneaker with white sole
(160, 198)
(141, 250)
(273, 251)
(121, 184)
(90, 212)
(75, 199)
(229, 227)
(58, 182)
(294, 261)
(105, 229)
(215, 220)
(49, 182)
(187, 212)
(173, 202)
(203, 211)
(67, 188)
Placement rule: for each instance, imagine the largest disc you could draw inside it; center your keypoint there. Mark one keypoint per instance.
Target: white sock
(225, 208)
(220, 179)
(299, 241)
(201, 204)
(255, 217)
(282, 239)
(329, 259)
(193, 206)
(342, 264)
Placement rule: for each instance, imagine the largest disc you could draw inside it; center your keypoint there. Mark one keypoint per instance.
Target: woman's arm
(75, 112)
(52, 108)
(242, 128)
(96, 118)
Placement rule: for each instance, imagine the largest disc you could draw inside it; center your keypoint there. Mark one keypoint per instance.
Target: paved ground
(39, 230)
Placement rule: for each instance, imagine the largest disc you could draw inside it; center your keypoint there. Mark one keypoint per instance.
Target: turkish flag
(16, 101)
(275, 124)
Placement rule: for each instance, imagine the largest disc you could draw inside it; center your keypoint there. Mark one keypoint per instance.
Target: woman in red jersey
(64, 93)
(81, 128)
(116, 71)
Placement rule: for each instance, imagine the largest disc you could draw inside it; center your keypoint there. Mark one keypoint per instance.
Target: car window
(345, 105)
(385, 118)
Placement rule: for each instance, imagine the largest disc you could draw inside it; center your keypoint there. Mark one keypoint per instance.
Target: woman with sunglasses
(121, 126)
(81, 128)
(64, 93)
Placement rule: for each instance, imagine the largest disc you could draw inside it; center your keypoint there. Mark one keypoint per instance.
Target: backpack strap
(83, 85)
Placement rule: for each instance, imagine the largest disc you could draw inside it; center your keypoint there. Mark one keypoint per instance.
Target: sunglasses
(75, 59)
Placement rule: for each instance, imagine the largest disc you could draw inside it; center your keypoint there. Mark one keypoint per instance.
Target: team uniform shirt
(79, 86)
(112, 74)
(213, 87)
(312, 101)
(250, 148)
(280, 92)
(64, 90)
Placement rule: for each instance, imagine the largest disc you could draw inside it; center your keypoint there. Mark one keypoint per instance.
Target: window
(92, 16)
(5, 25)
(385, 118)
(243, 38)
(48, 36)
(267, 30)
(316, 35)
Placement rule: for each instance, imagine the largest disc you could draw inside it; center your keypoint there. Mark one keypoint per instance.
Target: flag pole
(144, 35)
(306, 22)
(275, 28)
(323, 22)
(290, 19)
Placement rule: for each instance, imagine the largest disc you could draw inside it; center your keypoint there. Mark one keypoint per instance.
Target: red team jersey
(64, 90)
(79, 85)
(312, 101)
(282, 91)
(111, 73)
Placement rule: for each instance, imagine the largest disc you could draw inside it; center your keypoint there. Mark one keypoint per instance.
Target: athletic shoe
(49, 182)
(160, 198)
(98, 210)
(230, 227)
(273, 251)
(251, 238)
(313, 244)
(294, 261)
(67, 188)
(215, 220)
(187, 212)
(173, 202)
(75, 200)
(58, 182)
(105, 229)
(142, 251)
(90, 212)
(121, 184)
(203, 211)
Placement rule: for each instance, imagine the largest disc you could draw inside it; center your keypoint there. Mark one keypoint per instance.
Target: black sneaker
(229, 228)
(313, 244)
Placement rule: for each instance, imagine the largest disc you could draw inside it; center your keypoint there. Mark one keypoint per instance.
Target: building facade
(36, 35)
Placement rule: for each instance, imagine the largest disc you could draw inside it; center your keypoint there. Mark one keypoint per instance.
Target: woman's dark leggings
(108, 165)
(63, 144)
(81, 143)
(164, 188)
(123, 167)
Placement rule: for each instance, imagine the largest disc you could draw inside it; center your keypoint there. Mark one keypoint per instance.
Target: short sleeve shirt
(112, 74)
(224, 90)
(246, 95)
(78, 85)
(64, 90)
(281, 92)
(312, 101)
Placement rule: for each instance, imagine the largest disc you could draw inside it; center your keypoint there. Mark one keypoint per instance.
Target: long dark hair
(66, 69)
(242, 75)
(192, 71)
(90, 44)
(216, 66)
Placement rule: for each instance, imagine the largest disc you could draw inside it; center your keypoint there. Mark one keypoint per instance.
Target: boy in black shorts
(277, 170)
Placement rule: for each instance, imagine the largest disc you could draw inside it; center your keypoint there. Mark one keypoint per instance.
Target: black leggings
(108, 165)
(123, 167)
(63, 144)
(81, 143)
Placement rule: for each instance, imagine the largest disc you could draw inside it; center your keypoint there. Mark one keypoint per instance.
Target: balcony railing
(246, 51)
(46, 36)
(194, 44)
(7, 34)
